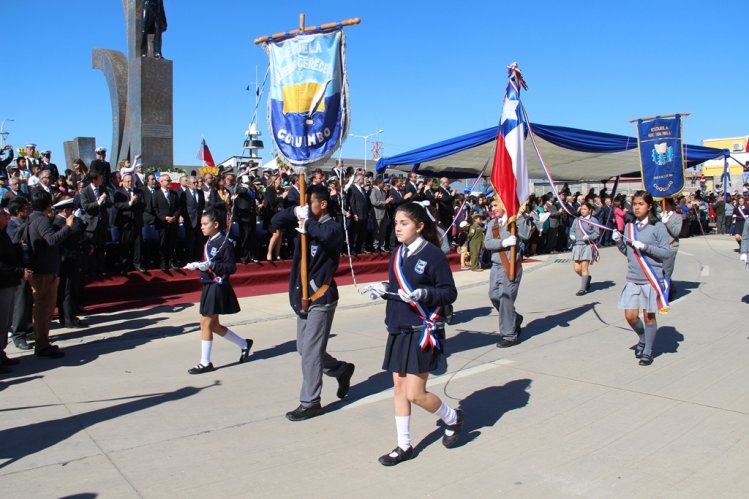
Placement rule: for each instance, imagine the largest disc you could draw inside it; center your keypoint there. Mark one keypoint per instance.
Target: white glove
(586, 237)
(616, 235)
(302, 223)
(743, 257)
(509, 241)
(418, 294)
(302, 212)
(665, 217)
(203, 266)
(377, 290)
(192, 266)
(639, 245)
(572, 237)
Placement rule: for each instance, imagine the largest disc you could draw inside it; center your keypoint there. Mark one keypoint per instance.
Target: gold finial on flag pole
(306, 29)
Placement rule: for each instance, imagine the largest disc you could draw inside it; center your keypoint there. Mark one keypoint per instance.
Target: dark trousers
(21, 324)
(68, 296)
(248, 243)
(552, 239)
(131, 243)
(167, 240)
(359, 233)
(380, 233)
(7, 298)
(193, 243)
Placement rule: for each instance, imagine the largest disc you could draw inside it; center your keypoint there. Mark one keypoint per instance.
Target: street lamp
(3, 133)
(366, 137)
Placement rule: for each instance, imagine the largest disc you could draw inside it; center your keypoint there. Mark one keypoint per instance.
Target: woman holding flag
(645, 244)
(583, 235)
(420, 286)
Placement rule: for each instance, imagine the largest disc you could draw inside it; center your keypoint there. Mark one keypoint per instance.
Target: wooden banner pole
(654, 117)
(514, 232)
(302, 29)
(303, 243)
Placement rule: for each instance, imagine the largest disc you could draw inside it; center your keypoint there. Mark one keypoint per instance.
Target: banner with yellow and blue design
(661, 157)
(308, 104)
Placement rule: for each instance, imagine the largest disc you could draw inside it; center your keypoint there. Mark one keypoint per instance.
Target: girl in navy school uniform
(217, 296)
(420, 285)
(584, 249)
(645, 244)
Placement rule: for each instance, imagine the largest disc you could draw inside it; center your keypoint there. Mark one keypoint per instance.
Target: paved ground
(567, 413)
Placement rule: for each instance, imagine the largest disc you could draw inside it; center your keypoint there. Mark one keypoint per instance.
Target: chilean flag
(510, 171)
(204, 154)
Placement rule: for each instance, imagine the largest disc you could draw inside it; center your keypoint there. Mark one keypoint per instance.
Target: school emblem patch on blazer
(420, 266)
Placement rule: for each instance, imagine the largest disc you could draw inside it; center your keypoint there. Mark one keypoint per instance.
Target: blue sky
(422, 71)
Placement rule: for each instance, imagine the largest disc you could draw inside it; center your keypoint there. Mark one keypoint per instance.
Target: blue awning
(571, 154)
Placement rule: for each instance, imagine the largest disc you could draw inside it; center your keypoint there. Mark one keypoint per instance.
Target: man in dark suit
(245, 214)
(95, 201)
(411, 188)
(166, 210)
(129, 205)
(445, 200)
(192, 204)
(47, 164)
(292, 198)
(360, 207)
(153, 23)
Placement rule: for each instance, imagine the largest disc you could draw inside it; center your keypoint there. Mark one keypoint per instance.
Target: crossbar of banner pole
(661, 116)
(303, 29)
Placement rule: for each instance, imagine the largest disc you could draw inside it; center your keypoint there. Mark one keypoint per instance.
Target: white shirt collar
(215, 236)
(415, 245)
(643, 222)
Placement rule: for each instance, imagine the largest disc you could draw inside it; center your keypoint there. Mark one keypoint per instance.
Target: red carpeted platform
(156, 287)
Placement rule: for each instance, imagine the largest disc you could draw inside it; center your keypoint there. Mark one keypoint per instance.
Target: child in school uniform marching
(217, 296)
(502, 291)
(645, 244)
(584, 250)
(673, 222)
(420, 285)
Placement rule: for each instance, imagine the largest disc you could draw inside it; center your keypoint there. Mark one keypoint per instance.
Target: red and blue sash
(661, 286)
(207, 258)
(596, 253)
(429, 319)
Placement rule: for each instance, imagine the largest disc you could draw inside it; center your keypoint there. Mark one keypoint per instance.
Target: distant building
(714, 167)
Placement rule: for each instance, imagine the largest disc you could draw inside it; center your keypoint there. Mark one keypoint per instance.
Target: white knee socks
(448, 415)
(403, 427)
(235, 338)
(205, 351)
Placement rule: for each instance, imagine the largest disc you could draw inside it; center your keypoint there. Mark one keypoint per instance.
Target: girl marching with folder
(420, 286)
(645, 243)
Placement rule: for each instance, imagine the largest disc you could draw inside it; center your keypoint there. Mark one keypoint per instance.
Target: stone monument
(141, 95)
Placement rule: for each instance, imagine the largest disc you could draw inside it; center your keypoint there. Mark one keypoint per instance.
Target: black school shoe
(301, 413)
(50, 352)
(344, 380)
(646, 360)
(200, 369)
(451, 440)
(400, 456)
(245, 351)
(507, 343)
(22, 344)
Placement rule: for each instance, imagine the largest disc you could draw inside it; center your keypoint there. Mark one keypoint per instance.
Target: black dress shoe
(398, 455)
(10, 362)
(140, 268)
(581, 292)
(301, 413)
(344, 381)
(639, 348)
(200, 369)
(246, 351)
(507, 343)
(21, 344)
(174, 265)
(646, 360)
(164, 268)
(49, 352)
(518, 323)
(449, 441)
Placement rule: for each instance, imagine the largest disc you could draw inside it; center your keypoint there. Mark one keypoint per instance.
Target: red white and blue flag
(509, 175)
(204, 154)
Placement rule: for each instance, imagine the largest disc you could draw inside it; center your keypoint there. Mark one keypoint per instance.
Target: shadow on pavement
(562, 319)
(745, 299)
(600, 286)
(483, 409)
(683, 288)
(276, 351)
(29, 439)
(462, 316)
(5, 384)
(77, 355)
(667, 340)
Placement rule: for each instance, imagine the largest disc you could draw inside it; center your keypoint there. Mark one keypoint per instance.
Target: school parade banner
(308, 104)
(661, 158)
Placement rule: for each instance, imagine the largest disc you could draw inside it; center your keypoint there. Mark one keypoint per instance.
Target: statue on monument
(154, 23)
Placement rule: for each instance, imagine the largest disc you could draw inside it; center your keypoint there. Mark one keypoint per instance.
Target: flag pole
(514, 232)
(654, 117)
